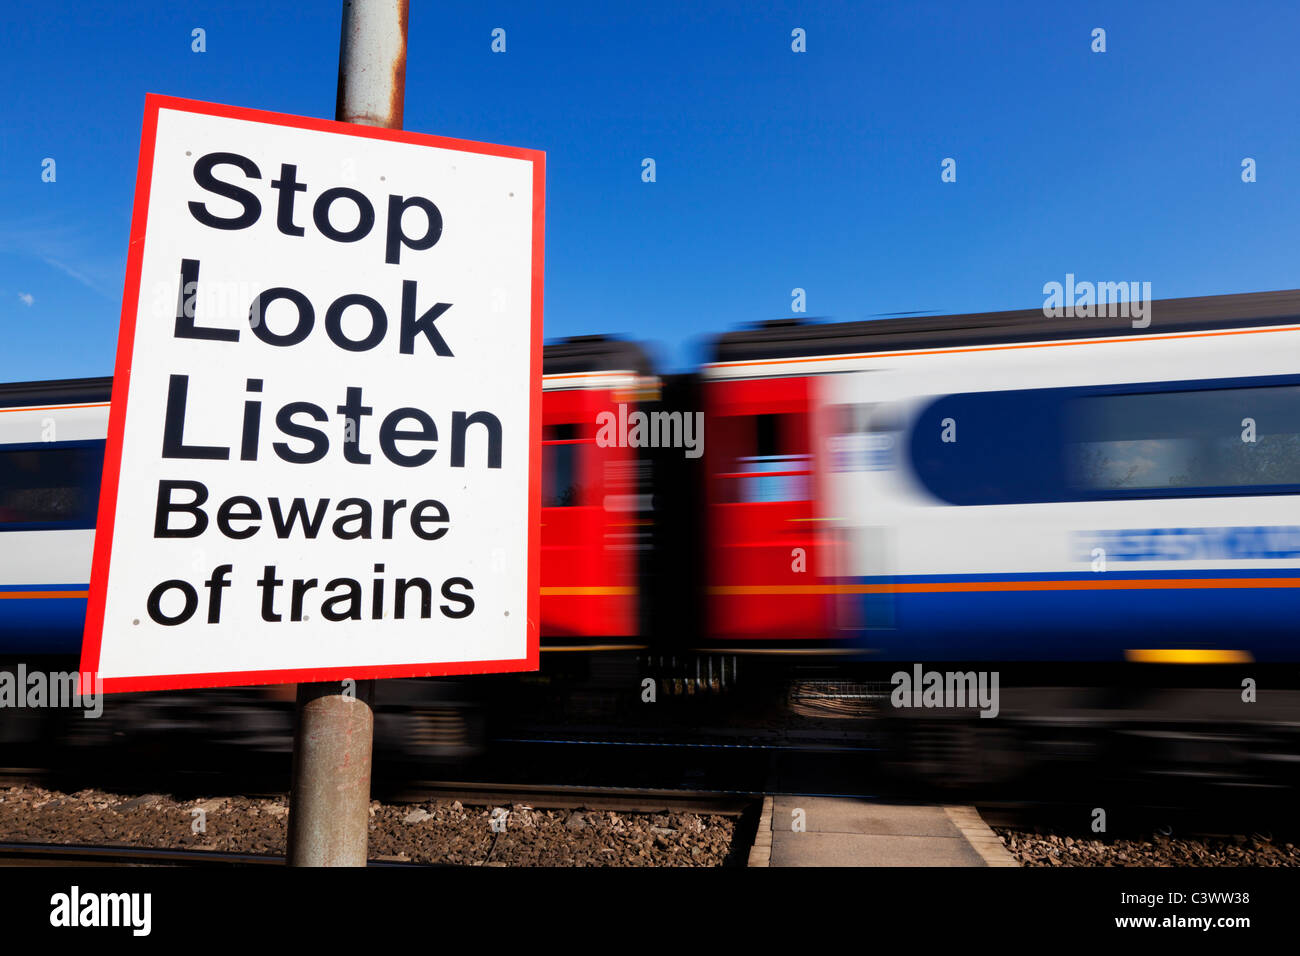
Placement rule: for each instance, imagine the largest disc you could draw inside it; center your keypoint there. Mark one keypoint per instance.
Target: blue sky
(775, 169)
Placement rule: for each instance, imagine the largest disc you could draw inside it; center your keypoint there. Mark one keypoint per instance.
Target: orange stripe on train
(1129, 584)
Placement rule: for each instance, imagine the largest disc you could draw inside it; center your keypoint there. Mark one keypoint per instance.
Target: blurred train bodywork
(1076, 504)
(1004, 487)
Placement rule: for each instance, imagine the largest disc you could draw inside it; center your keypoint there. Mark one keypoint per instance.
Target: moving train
(990, 487)
(996, 489)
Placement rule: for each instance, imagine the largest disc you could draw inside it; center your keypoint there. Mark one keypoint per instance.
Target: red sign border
(93, 635)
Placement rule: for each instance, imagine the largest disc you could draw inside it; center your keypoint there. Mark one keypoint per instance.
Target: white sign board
(324, 439)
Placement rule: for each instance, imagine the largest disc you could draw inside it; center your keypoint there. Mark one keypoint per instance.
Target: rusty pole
(372, 63)
(329, 807)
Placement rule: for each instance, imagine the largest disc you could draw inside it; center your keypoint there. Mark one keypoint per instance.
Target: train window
(765, 441)
(1213, 438)
(560, 466)
(50, 486)
(779, 469)
(774, 478)
(1206, 439)
(861, 437)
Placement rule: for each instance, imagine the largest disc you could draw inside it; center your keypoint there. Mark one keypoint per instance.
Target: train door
(588, 582)
(764, 551)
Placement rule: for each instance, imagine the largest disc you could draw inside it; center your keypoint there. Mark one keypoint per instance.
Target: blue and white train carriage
(51, 459)
(1012, 487)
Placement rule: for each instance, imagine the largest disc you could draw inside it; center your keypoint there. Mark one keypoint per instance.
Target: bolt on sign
(323, 446)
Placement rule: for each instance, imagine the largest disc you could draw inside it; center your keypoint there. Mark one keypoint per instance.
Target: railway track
(556, 796)
(563, 796)
(61, 854)
(738, 743)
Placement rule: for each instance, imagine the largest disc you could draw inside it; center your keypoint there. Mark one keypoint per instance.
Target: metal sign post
(329, 804)
(292, 389)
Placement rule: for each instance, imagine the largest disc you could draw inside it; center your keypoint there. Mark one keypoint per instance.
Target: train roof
(582, 353)
(790, 337)
(594, 353)
(67, 391)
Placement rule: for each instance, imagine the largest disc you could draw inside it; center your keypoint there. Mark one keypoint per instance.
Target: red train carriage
(596, 522)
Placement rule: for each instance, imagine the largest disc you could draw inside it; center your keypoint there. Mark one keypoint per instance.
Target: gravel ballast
(444, 832)
(1052, 849)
